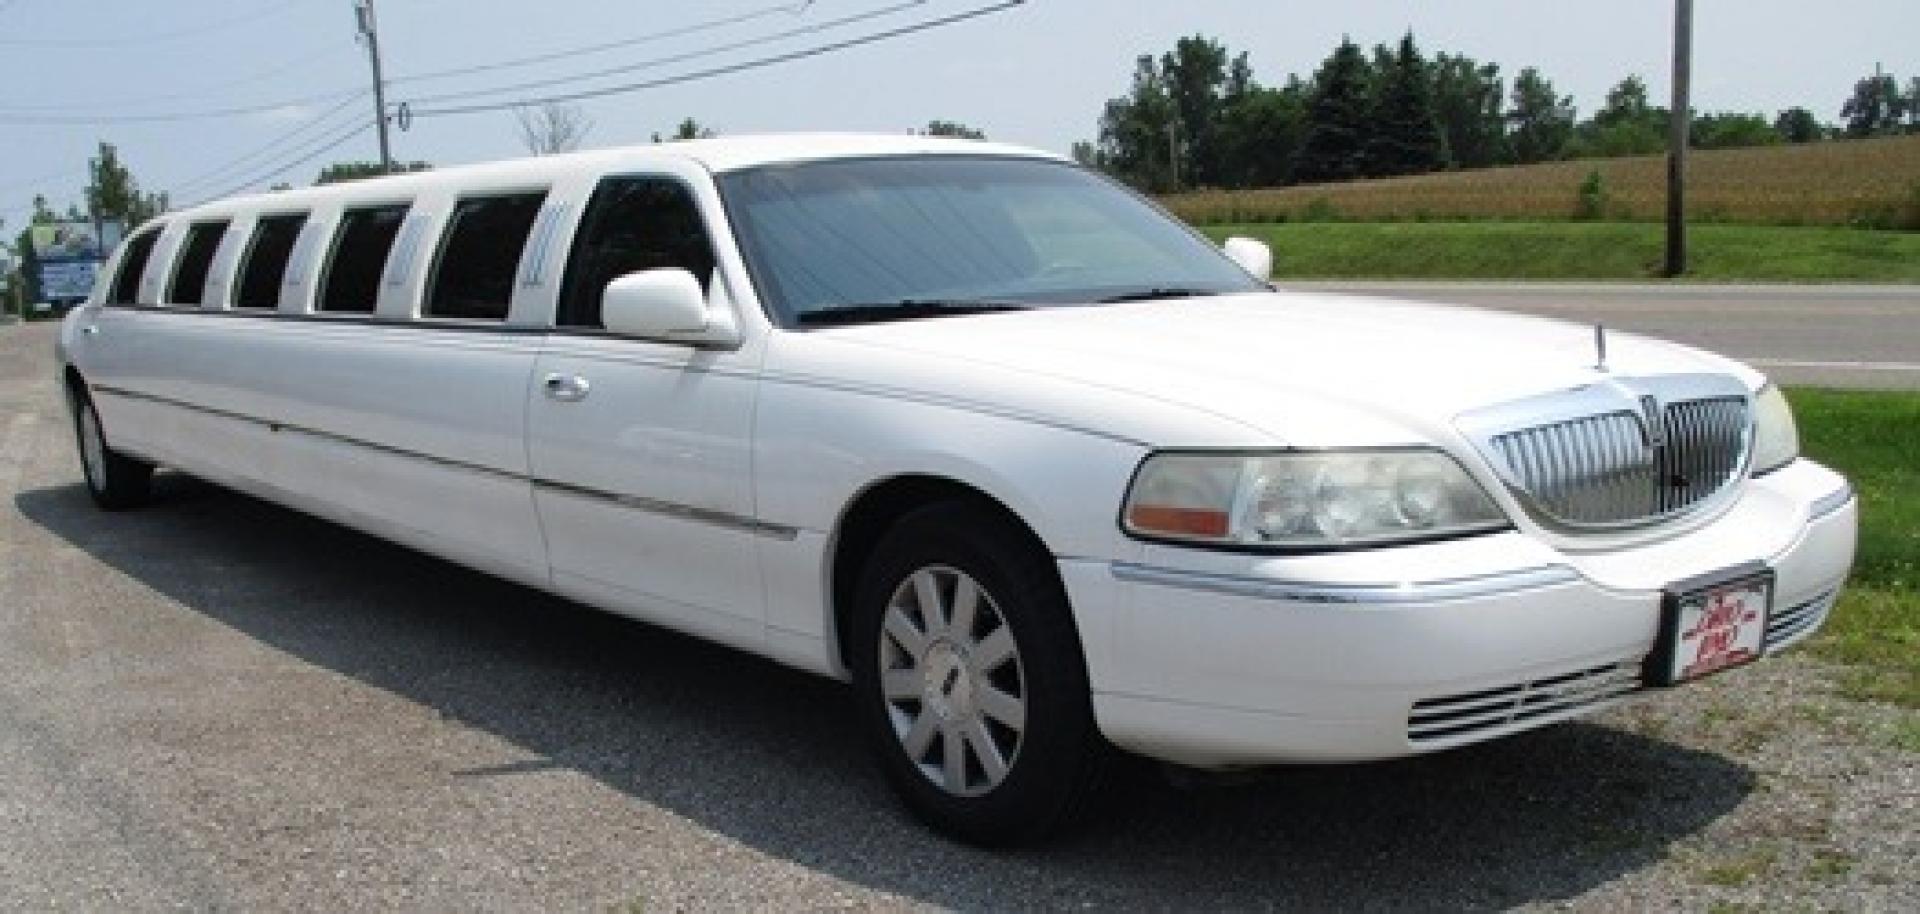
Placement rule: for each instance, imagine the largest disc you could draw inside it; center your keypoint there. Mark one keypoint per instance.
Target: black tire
(116, 482)
(1057, 758)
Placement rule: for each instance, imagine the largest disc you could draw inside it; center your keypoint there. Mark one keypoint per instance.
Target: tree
(1730, 131)
(1261, 133)
(1541, 119)
(1088, 155)
(1875, 106)
(1406, 138)
(1626, 104)
(552, 127)
(114, 195)
(953, 129)
(1913, 105)
(1798, 125)
(1468, 100)
(1196, 73)
(1625, 126)
(1137, 131)
(689, 129)
(354, 171)
(1338, 118)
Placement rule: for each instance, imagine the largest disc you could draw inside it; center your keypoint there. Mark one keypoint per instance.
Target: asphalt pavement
(1865, 336)
(215, 703)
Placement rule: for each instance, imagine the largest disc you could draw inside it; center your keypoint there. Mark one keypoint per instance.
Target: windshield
(916, 236)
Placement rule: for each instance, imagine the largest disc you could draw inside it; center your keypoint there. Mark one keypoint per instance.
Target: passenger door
(640, 449)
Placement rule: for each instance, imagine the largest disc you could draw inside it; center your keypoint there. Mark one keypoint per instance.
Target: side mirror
(1252, 256)
(654, 303)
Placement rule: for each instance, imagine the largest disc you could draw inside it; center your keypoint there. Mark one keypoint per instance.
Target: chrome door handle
(566, 388)
(90, 329)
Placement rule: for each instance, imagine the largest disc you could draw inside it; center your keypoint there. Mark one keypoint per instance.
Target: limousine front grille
(1624, 467)
(1489, 711)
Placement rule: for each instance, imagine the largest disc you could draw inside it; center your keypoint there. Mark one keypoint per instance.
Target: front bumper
(1221, 660)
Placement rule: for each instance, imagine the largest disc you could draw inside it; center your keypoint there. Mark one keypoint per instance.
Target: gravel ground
(217, 704)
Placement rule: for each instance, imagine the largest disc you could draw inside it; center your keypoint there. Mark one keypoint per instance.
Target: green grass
(1874, 438)
(1579, 250)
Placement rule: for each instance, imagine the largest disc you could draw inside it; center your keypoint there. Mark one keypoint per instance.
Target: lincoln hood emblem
(1650, 421)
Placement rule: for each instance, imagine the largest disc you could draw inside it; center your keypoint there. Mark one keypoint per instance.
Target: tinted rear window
(265, 266)
(126, 283)
(196, 258)
(352, 282)
(481, 253)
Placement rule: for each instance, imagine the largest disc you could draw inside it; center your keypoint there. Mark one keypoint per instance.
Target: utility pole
(370, 32)
(1679, 136)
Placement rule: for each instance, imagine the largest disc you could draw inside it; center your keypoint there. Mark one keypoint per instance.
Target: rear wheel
(116, 482)
(971, 685)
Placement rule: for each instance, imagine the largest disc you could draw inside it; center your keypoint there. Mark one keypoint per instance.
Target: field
(1579, 250)
(1867, 183)
(1873, 437)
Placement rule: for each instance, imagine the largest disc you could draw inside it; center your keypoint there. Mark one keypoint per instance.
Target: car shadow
(769, 757)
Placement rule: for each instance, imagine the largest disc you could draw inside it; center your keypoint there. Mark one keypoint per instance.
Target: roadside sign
(73, 279)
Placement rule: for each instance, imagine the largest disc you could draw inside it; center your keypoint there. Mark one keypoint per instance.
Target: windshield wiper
(904, 309)
(1158, 293)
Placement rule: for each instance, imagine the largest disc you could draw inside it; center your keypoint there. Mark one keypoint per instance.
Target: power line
(173, 116)
(307, 155)
(791, 9)
(193, 32)
(316, 124)
(17, 115)
(248, 80)
(758, 63)
(810, 29)
(49, 176)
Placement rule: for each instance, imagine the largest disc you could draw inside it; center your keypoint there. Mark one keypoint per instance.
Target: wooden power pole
(370, 32)
(1679, 137)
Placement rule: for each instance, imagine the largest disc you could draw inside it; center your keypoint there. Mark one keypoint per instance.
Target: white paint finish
(704, 488)
(661, 422)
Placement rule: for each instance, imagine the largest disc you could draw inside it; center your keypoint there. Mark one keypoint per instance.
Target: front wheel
(971, 684)
(116, 482)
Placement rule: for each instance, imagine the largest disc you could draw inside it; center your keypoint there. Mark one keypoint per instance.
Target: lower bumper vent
(1786, 625)
(1454, 717)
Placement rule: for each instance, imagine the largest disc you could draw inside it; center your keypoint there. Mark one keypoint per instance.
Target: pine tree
(1406, 139)
(1338, 118)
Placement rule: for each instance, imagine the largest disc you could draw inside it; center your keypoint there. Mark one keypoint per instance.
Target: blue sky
(1036, 75)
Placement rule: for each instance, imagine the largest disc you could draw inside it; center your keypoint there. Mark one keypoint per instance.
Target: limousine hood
(1301, 369)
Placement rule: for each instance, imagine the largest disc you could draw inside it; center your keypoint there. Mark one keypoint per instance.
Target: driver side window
(632, 224)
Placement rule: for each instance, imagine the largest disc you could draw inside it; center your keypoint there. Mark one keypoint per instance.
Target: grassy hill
(1871, 183)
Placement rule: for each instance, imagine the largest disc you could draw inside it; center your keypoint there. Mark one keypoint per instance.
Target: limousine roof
(718, 155)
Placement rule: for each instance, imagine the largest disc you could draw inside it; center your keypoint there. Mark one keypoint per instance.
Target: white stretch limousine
(1035, 467)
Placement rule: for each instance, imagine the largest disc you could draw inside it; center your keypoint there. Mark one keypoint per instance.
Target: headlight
(1305, 499)
(1776, 440)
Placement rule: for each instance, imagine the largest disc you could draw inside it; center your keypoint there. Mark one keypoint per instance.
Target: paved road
(218, 704)
(1840, 336)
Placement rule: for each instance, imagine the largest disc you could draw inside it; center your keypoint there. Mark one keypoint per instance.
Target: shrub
(1593, 197)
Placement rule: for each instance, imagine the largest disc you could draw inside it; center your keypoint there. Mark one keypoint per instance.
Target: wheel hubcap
(952, 681)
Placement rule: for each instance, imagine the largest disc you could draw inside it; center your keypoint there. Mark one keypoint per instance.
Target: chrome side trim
(281, 427)
(636, 502)
(1830, 502)
(1437, 591)
(673, 509)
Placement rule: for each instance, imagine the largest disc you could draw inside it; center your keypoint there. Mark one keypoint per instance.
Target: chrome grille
(1612, 468)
